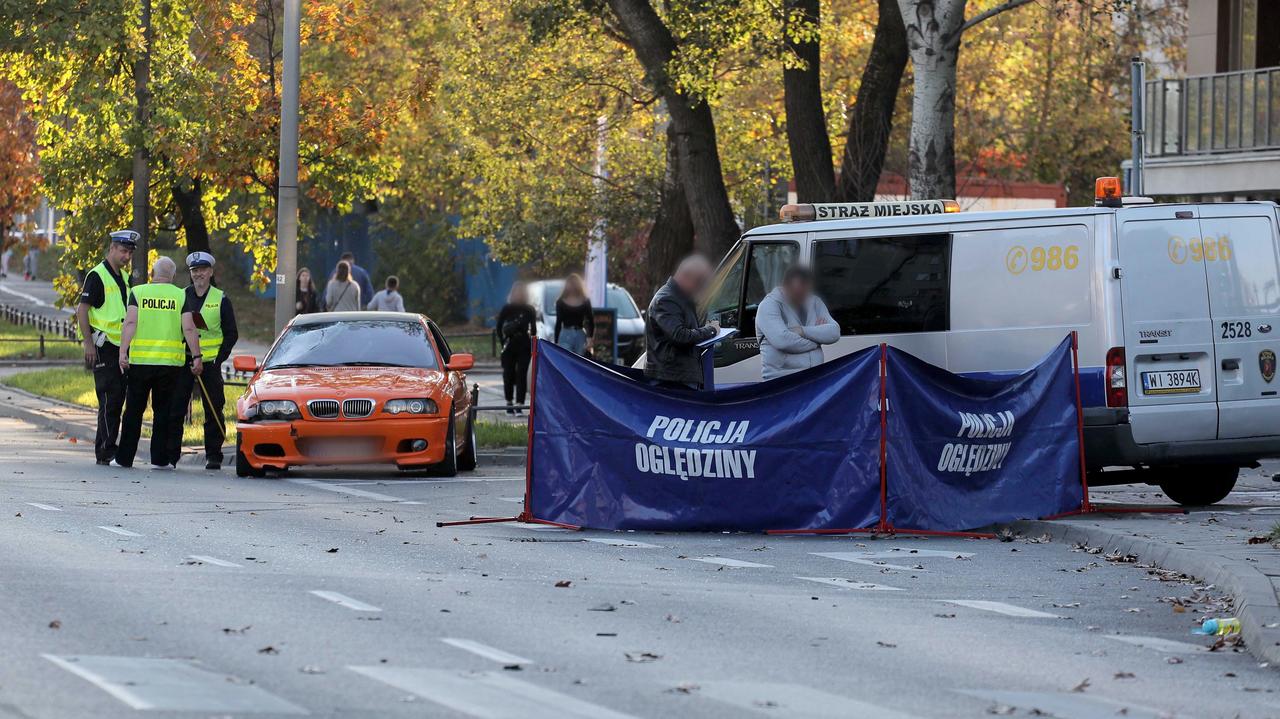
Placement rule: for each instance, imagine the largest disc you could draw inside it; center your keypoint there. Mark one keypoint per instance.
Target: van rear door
(1167, 326)
(1238, 249)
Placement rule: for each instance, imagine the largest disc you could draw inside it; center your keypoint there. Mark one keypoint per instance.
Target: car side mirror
(461, 362)
(244, 363)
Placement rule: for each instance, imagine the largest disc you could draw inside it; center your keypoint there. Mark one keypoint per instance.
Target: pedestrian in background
(574, 322)
(516, 325)
(793, 324)
(359, 274)
(342, 294)
(104, 299)
(4, 262)
(389, 299)
(672, 330)
(155, 328)
(215, 322)
(305, 298)
(29, 264)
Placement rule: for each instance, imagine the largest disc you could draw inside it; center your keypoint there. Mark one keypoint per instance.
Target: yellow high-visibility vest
(158, 337)
(108, 318)
(211, 338)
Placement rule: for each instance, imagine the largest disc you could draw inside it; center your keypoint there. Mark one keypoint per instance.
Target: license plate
(340, 447)
(1174, 381)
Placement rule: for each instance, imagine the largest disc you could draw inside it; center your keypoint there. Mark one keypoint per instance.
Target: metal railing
(491, 335)
(1203, 114)
(50, 330)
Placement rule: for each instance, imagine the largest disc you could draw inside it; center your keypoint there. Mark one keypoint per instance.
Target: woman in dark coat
(517, 325)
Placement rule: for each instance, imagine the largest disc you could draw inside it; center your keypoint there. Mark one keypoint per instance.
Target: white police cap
(199, 259)
(128, 238)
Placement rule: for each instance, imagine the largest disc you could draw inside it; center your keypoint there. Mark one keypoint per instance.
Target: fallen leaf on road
(642, 657)
(55, 624)
(1081, 686)
(1261, 539)
(564, 584)
(684, 688)
(603, 608)
(1123, 675)
(333, 550)
(268, 650)
(886, 645)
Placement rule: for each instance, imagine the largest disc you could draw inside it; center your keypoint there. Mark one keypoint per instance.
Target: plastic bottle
(1218, 627)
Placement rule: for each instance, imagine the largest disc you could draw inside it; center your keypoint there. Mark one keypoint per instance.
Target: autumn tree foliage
(19, 173)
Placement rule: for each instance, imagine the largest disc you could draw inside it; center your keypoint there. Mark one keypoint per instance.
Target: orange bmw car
(356, 388)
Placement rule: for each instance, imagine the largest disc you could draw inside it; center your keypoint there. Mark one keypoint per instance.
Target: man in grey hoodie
(793, 324)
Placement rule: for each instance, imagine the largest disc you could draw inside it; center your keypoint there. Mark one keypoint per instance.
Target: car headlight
(273, 409)
(410, 406)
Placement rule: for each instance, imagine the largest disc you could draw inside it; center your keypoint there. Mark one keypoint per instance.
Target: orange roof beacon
(356, 388)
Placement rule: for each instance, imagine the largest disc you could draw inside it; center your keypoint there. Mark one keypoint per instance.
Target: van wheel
(448, 467)
(243, 468)
(1199, 485)
(467, 457)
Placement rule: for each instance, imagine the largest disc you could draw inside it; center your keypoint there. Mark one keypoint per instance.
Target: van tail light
(1117, 387)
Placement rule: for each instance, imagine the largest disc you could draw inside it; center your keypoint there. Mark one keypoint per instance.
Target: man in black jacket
(673, 330)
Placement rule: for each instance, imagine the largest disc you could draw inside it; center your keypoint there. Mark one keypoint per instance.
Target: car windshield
(616, 297)
(354, 343)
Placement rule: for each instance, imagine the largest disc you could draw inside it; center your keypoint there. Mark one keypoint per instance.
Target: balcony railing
(1229, 112)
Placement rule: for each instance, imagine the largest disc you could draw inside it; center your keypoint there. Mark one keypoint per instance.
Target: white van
(544, 293)
(1177, 306)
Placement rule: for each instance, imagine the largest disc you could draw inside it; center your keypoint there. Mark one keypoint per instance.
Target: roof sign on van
(856, 210)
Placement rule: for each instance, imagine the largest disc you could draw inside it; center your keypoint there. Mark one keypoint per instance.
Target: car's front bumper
(303, 442)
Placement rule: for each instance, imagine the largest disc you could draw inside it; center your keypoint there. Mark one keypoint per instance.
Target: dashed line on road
(45, 507)
(487, 694)
(330, 487)
(735, 563)
(858, 558)
(843, 583)
(621, 542)
(343, 600)
(121, 532)
(213, 560)
(1168, 646)
(792, 700)
(486, 651)
(172, 685)
(1009, 610)
(908, 553)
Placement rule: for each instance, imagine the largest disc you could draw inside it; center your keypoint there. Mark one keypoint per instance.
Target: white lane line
(1167, 646)
(908, 553)
(620, 542)
(852, 584)
(121, 532)
(725, 561)
(486, 651)
(345, 601)
(490, 695)
(516, 500)
(1009, 610)
(172, 685)
(45, 507)
(330, 487)
(449, 480)
(792, 700)
(1068, 706)
(858, 558)
(30, 298)
(542, 528)
(213, 560)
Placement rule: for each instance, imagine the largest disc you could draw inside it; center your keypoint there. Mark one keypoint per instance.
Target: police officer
(216, 323)
(151, 353)
(100, 315)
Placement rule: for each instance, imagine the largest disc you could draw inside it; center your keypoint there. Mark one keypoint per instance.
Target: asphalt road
(334, 594)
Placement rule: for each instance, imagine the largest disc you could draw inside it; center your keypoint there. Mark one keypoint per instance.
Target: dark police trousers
(184, 390)
(108, 384)
(154, 383)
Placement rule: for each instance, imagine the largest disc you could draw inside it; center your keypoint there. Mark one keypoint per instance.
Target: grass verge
(490, 435)
(29, 345)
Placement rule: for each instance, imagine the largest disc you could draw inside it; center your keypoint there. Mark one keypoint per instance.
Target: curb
(1256, 603)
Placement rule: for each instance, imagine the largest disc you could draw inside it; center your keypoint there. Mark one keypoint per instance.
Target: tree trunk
(190, 207)
(141, 155)
(671, 237)
(933, 39)
(715, 227)
(807, 136)
(871, 118)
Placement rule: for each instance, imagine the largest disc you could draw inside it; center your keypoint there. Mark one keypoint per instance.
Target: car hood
(338, 382)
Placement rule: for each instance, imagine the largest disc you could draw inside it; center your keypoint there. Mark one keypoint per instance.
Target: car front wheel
(467, 457)
(243, 468)
(448, 467)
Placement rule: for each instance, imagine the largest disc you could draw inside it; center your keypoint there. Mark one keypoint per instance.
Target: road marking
(486, 651)
(543, 528)
(31, 298)
(516, 500)
(45, 507)
(330, 487)
(1167, 646)
(730, 562)
(792, 700)
(121, 532)
(858, 558)
(1002, 608)
(213, 560)
(621, 542)
(345, 601)
(905, 553)
(852, 584)
(1068, 706)
(172, 685)
(489, 695)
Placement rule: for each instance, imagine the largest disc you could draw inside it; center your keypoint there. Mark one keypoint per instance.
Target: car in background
(356, 388)
(544, 293)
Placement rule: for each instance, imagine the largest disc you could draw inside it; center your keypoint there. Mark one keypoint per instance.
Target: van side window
(767, 263)
(883, 285)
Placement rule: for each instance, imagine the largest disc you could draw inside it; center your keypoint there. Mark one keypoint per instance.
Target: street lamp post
(287, 186)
